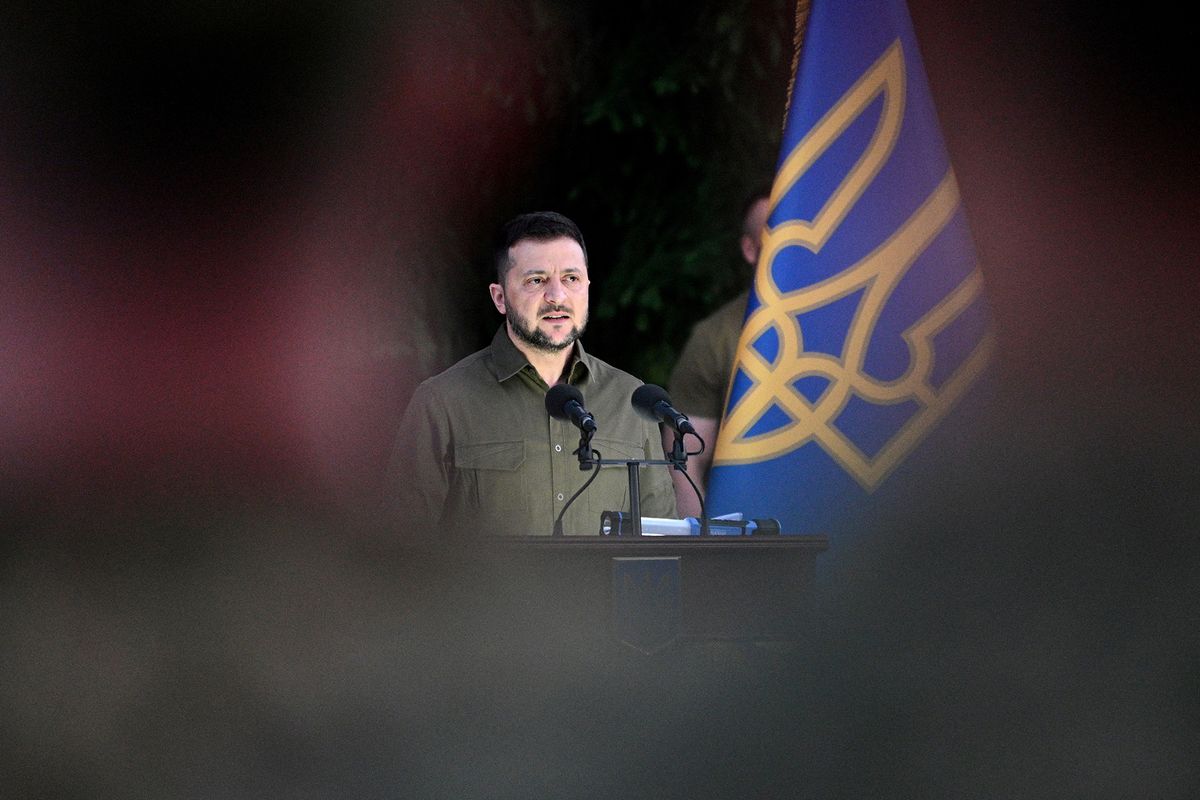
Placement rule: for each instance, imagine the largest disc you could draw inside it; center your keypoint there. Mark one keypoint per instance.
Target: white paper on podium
(690, 526)
(658, 526)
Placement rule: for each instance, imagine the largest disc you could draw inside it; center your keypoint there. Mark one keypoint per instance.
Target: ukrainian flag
(867, 325)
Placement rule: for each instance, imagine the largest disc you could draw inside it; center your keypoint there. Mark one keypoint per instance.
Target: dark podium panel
(645, 591)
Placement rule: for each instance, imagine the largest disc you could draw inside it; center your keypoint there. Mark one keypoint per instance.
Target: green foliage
(662, 118)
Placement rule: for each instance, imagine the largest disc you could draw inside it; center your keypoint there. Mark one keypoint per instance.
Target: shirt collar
(507, 360)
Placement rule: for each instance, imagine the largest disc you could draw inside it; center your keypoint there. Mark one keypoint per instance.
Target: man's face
(545, 293)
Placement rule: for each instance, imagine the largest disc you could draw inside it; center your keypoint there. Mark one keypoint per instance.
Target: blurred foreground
(1038, 638)
(213, 314)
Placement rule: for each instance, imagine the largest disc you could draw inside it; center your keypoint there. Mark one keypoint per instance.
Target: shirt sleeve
(697, 383)
(419, 469)
(700, 379)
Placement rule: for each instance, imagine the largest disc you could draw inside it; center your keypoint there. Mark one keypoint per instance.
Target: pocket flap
(490, 455)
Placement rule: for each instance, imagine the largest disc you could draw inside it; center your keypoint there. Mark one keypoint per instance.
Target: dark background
(232, 239)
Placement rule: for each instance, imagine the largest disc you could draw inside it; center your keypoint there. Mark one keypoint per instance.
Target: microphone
(654, 402)
(566, 402)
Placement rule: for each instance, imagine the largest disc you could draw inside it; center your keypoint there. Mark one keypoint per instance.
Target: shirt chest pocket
(492, 476)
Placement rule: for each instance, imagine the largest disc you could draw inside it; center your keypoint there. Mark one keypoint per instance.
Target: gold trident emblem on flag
(875, 276)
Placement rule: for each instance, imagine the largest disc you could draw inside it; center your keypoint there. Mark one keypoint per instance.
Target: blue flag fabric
(867, 322)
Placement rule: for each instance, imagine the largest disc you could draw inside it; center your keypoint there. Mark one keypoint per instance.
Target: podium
(645, 592)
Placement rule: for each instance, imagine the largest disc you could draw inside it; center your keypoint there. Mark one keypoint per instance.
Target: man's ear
(750, 249)
(497, 292)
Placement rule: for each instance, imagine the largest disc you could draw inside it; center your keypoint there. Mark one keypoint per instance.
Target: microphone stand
(635, 496)
(590, 457)
(585, 450)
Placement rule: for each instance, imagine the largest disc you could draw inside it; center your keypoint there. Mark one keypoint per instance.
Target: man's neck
(550, 364)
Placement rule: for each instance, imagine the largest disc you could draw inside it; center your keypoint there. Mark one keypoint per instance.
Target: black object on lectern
(646, 592)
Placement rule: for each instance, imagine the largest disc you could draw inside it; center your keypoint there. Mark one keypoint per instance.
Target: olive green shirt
(477, 451)
(700, 379)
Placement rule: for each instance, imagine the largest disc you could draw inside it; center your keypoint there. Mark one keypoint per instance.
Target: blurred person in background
(700, 378)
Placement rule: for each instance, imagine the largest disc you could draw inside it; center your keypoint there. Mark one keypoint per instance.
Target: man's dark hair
(541, 226)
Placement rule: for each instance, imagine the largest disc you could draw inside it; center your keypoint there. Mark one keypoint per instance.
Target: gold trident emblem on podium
(874, 277)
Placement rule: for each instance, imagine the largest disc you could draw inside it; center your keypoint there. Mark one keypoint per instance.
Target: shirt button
(558, 448)
(559, 496)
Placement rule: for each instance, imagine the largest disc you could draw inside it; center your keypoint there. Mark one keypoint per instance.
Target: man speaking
(477, 451)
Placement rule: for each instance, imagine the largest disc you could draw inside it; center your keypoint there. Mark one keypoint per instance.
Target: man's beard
(533, 337)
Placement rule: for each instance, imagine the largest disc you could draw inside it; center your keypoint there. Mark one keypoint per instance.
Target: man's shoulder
(723, 323)
(606, 373)
(731, 311)
(467, 371)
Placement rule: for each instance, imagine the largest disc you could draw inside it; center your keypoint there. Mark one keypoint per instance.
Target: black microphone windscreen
(557, 398)
(646, 396)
